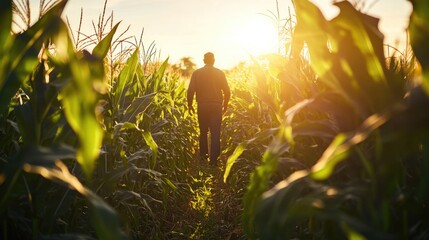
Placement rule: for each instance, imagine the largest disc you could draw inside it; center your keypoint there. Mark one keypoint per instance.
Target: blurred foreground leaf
(19, 54)
(103, 217)
(419, 35)
(81, 95)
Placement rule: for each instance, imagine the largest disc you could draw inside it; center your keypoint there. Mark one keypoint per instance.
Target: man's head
(209, 58)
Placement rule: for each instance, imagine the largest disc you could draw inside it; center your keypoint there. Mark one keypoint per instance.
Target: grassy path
(215, 205)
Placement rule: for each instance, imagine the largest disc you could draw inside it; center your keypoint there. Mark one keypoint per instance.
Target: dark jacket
(208, 83)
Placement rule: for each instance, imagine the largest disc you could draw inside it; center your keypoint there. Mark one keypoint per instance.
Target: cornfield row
(331, 144)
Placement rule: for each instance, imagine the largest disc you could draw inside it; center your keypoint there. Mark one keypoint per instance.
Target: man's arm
(226, 94)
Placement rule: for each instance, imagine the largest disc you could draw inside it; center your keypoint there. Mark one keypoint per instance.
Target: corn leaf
(361, 55)
(367, 37)
(103, 46)
(153, 147)
(27, 124)
(231, 159)
(80, 97)
(353, 65)
(30, 154)
(419, 34)
(260, 177)
(23, 54)
(305, 199)
(158, 76)
(335, 153)
(138, 105)
(290, 114)
(5, 22)
(322, 129)
(126, 77)
(104, 218)
(312, 28)
(242, 146)
(45, 162)
(340, 147)
(5, 37)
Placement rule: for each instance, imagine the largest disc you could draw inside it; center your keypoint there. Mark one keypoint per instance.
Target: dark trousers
(209, 119)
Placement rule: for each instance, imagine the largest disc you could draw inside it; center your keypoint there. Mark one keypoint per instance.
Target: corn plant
(367, 126)
(49, 93)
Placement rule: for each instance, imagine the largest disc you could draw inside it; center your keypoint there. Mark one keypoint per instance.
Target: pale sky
(232, 29)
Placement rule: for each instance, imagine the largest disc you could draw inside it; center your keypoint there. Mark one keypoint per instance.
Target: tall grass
(113, 120)
(347, 161)
(326, 141)
(49, 96)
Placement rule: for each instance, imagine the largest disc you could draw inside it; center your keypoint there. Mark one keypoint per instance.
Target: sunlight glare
(256, 36)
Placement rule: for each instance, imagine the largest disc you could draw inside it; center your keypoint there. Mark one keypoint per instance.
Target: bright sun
(255, 36)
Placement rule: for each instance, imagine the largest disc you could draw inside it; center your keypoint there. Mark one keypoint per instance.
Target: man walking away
(212, 93)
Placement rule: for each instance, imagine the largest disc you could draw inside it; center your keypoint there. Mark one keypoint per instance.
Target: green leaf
(23, 54)
(103, 217)
(6, 38)
(351, 233)
(79, 106)
(27, 124)
(322, 129)
(280, 211)
(79, 98)
(424, 184)
(290, 114)
(268, 133)
(367, 37)
(138, 105)
(336, 152)
(340, 147)
(158, 76)
(170, 183)
(5, 23)
(126, 77)
(123, 126)
(419, 35)
(42, 156)
(103, 46)
(354, 64)
(273, 222)
(30, 154)
(231, 159)
(360, 50)
(259, 179)
(153, 147)
(312, 28)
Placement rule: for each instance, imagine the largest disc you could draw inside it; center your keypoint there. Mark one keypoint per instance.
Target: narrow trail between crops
(214, 203)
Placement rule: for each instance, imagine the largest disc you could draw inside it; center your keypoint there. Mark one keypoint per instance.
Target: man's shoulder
(217, 70)
(199, 70)
(208, 70)
(196, 72)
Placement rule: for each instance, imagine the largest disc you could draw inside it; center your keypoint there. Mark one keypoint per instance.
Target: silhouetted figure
(212, 93)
